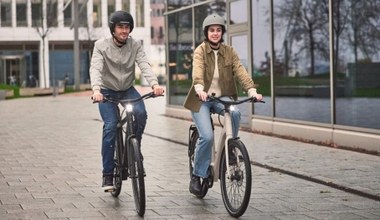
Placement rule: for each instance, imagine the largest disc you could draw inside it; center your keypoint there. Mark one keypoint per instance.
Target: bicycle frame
(129, 133)
(128, 154)
(225, 135)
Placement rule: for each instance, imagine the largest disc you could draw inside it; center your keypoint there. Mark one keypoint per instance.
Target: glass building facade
(317, 63)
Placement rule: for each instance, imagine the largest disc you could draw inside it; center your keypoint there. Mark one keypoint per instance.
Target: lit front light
(232, 108)
(129, 108)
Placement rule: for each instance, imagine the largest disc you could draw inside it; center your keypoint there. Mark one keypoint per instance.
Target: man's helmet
(120, 17)
(212, 20)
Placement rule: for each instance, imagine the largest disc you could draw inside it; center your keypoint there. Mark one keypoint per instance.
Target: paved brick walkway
(50, 169)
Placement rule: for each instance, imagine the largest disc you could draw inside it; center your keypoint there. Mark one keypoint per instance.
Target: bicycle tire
(137, 177)
(192, 146)
(236, 190)
(119, 164)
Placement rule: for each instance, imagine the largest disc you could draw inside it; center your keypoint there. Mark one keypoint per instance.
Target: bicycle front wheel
(236, 187)
(119, 164)
(137, 177)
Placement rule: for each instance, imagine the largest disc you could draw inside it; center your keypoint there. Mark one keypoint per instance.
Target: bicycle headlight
(129, 108)
(232, 108)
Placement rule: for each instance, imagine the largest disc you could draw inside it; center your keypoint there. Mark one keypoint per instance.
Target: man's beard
(120, 42)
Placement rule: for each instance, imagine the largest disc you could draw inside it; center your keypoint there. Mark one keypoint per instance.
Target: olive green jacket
(230, 71)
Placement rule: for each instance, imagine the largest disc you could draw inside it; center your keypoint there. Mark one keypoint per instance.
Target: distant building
(36, 37)
(157, 32)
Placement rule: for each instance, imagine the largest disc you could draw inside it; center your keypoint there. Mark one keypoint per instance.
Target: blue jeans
(109, 114)
(204, 144)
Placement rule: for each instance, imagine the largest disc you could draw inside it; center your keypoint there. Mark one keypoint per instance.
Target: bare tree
(303, 22)
(365, 24)
(44, 11)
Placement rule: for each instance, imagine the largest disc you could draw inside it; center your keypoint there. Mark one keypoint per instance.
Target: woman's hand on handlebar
(258, 97)
(202, 95)
(97, 96)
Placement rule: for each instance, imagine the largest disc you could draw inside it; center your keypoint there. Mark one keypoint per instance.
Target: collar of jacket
(222, 48)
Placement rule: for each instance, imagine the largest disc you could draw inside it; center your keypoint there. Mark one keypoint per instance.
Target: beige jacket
(230, 71)
(113, 67)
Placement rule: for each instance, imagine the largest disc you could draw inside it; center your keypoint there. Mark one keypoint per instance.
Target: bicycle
(128, 158)
(236, 178)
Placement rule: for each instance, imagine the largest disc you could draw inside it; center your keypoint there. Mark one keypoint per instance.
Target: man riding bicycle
(112, 74)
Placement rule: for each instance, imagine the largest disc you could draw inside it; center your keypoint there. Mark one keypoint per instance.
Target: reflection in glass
(239, 12)
(180, 55)
(261, 54)
(301, 60)
(357, 63)
(175, 4)
(181, 46)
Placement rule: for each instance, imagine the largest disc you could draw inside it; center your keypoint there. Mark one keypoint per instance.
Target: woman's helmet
(212, 20)
(120, 17)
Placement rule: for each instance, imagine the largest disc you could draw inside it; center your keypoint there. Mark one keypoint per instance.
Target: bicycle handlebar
(237, 102)
(145, 96)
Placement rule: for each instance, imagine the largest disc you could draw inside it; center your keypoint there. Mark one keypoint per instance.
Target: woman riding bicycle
(112, 74)
(216, 68)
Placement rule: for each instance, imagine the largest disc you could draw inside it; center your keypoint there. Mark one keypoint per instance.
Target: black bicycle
(232, 168)
(128, 158)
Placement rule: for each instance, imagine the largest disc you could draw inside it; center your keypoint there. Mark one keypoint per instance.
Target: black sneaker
(107, 185)
(195, 185)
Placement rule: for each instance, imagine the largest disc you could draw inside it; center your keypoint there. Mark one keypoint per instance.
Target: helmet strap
(214, 46)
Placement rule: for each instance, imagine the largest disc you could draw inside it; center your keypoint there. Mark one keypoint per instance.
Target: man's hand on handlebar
(158, 90)
(97, 96)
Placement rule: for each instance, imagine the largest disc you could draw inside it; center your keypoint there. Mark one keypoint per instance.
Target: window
(6, 13)
(21, 13)
(51, 13)
(180, 55)
(82, 10)
(67, 13)
(139, 13)
(238, 12)
(357, 63)
(301, 71)
(36, 13)
(97, 13)
(111, 7)
(125, 5)
(261, 36)
(175, 4)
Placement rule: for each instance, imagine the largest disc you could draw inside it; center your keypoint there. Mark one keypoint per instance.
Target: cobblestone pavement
(50, 168)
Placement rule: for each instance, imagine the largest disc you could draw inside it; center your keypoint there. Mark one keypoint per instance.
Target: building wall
(23, 39)
(310, 94)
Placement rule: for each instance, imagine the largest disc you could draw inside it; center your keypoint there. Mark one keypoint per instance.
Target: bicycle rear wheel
(119, 165)
(137, 177)
(236, 188)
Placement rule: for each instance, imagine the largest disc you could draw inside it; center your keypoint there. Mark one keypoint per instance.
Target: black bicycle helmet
(120, 17)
